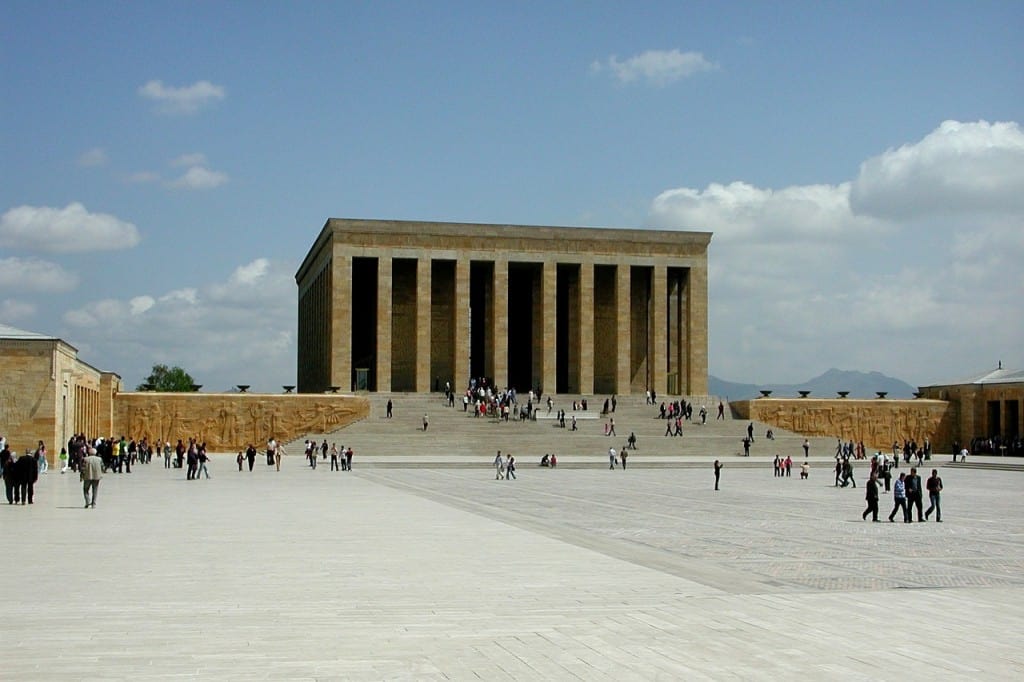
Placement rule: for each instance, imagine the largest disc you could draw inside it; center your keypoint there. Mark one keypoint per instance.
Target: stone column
(341, 321)
(500, 317)
(586, 305)
(461, 311)
(422, 339)
(697, 331)
(658, 353)
(549, 311)
(384, 322)
(623, 350)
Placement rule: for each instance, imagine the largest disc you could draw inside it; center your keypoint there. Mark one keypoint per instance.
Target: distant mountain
(859, 384)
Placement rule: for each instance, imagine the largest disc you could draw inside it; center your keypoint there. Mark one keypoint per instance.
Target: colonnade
(388, 320)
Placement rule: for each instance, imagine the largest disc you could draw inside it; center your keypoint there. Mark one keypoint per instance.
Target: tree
(167, 379)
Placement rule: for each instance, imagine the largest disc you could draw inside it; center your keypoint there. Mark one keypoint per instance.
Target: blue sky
(167, 165)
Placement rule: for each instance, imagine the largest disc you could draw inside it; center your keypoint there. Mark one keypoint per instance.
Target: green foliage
(167, 379)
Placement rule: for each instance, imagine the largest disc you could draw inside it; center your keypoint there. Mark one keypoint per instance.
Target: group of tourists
(910, 450)
(341, 458)
(20, 474)
(907, 493)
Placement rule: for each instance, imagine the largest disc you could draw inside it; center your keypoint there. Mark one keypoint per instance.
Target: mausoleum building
(409, 306)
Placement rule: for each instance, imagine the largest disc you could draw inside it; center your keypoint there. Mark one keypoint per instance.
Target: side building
(48, 393)
(408, 306)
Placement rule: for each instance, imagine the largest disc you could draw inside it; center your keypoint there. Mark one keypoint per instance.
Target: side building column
(422, 339)
(500, 332)
(549, 317)
(623, 348)
(586, 307)
(341, 322)
(697, 331)
(461, 364)
(384, 322)
(658, 354)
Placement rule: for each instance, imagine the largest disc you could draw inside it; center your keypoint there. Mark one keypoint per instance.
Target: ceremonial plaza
(421, 563)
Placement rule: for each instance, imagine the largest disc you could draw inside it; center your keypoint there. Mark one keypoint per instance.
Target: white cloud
(35, 275)
(198, 177)
(12, 310)
(957, 168)
(739, 211)
(94, 157)
(223, 333)
(183, 100)
(869, 273)
(658, 67)
(140, 304)
(65, 230)
(194, 159)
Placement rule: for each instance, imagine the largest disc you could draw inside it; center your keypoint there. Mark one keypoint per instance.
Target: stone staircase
(455, 436)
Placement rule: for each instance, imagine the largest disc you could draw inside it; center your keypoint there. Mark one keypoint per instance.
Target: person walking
(203, 459)
(934, 486)
(348, 458)
(250, 454)
(426, 423)
(623, 454)
(90, 473)
(389, 408)
(334, 457)
(872, 498)
(914, 494)
(718, 472)
(278, 453)
(499, 467)
(510, 467)
(611, 458)
(899, 498)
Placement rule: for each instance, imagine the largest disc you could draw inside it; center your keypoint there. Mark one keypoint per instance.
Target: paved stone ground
(444, 573)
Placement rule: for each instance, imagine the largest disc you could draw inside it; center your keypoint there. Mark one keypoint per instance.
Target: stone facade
(228, 422)
(878, 423)
(408, 306)
(48, 394)
(986, 406)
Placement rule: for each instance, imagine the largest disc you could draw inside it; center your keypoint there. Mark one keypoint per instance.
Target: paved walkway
(444, 573)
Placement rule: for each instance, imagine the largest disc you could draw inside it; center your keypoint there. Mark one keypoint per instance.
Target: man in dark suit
(914, 494)
(872, 498)
(26, 473)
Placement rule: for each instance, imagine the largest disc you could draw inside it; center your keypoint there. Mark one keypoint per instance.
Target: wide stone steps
(454, 435)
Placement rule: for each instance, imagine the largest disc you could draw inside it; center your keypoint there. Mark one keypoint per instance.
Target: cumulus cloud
(93, 157)
(910, 266)
(35, 275)
(740, 211)
(12, 310)
(65, 230)
(957, 168)
(657, 67)
(194, 327)
(182, 100)
(198, 177)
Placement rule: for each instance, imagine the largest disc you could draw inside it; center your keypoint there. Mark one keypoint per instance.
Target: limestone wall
(228, 422)
(876, 422)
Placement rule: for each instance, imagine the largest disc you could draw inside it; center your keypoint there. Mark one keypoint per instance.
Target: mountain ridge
(826, 385)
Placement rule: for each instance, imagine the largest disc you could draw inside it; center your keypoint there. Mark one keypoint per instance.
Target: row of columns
(498, 361)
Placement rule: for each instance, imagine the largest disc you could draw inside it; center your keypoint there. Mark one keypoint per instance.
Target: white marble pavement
(432, 574)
